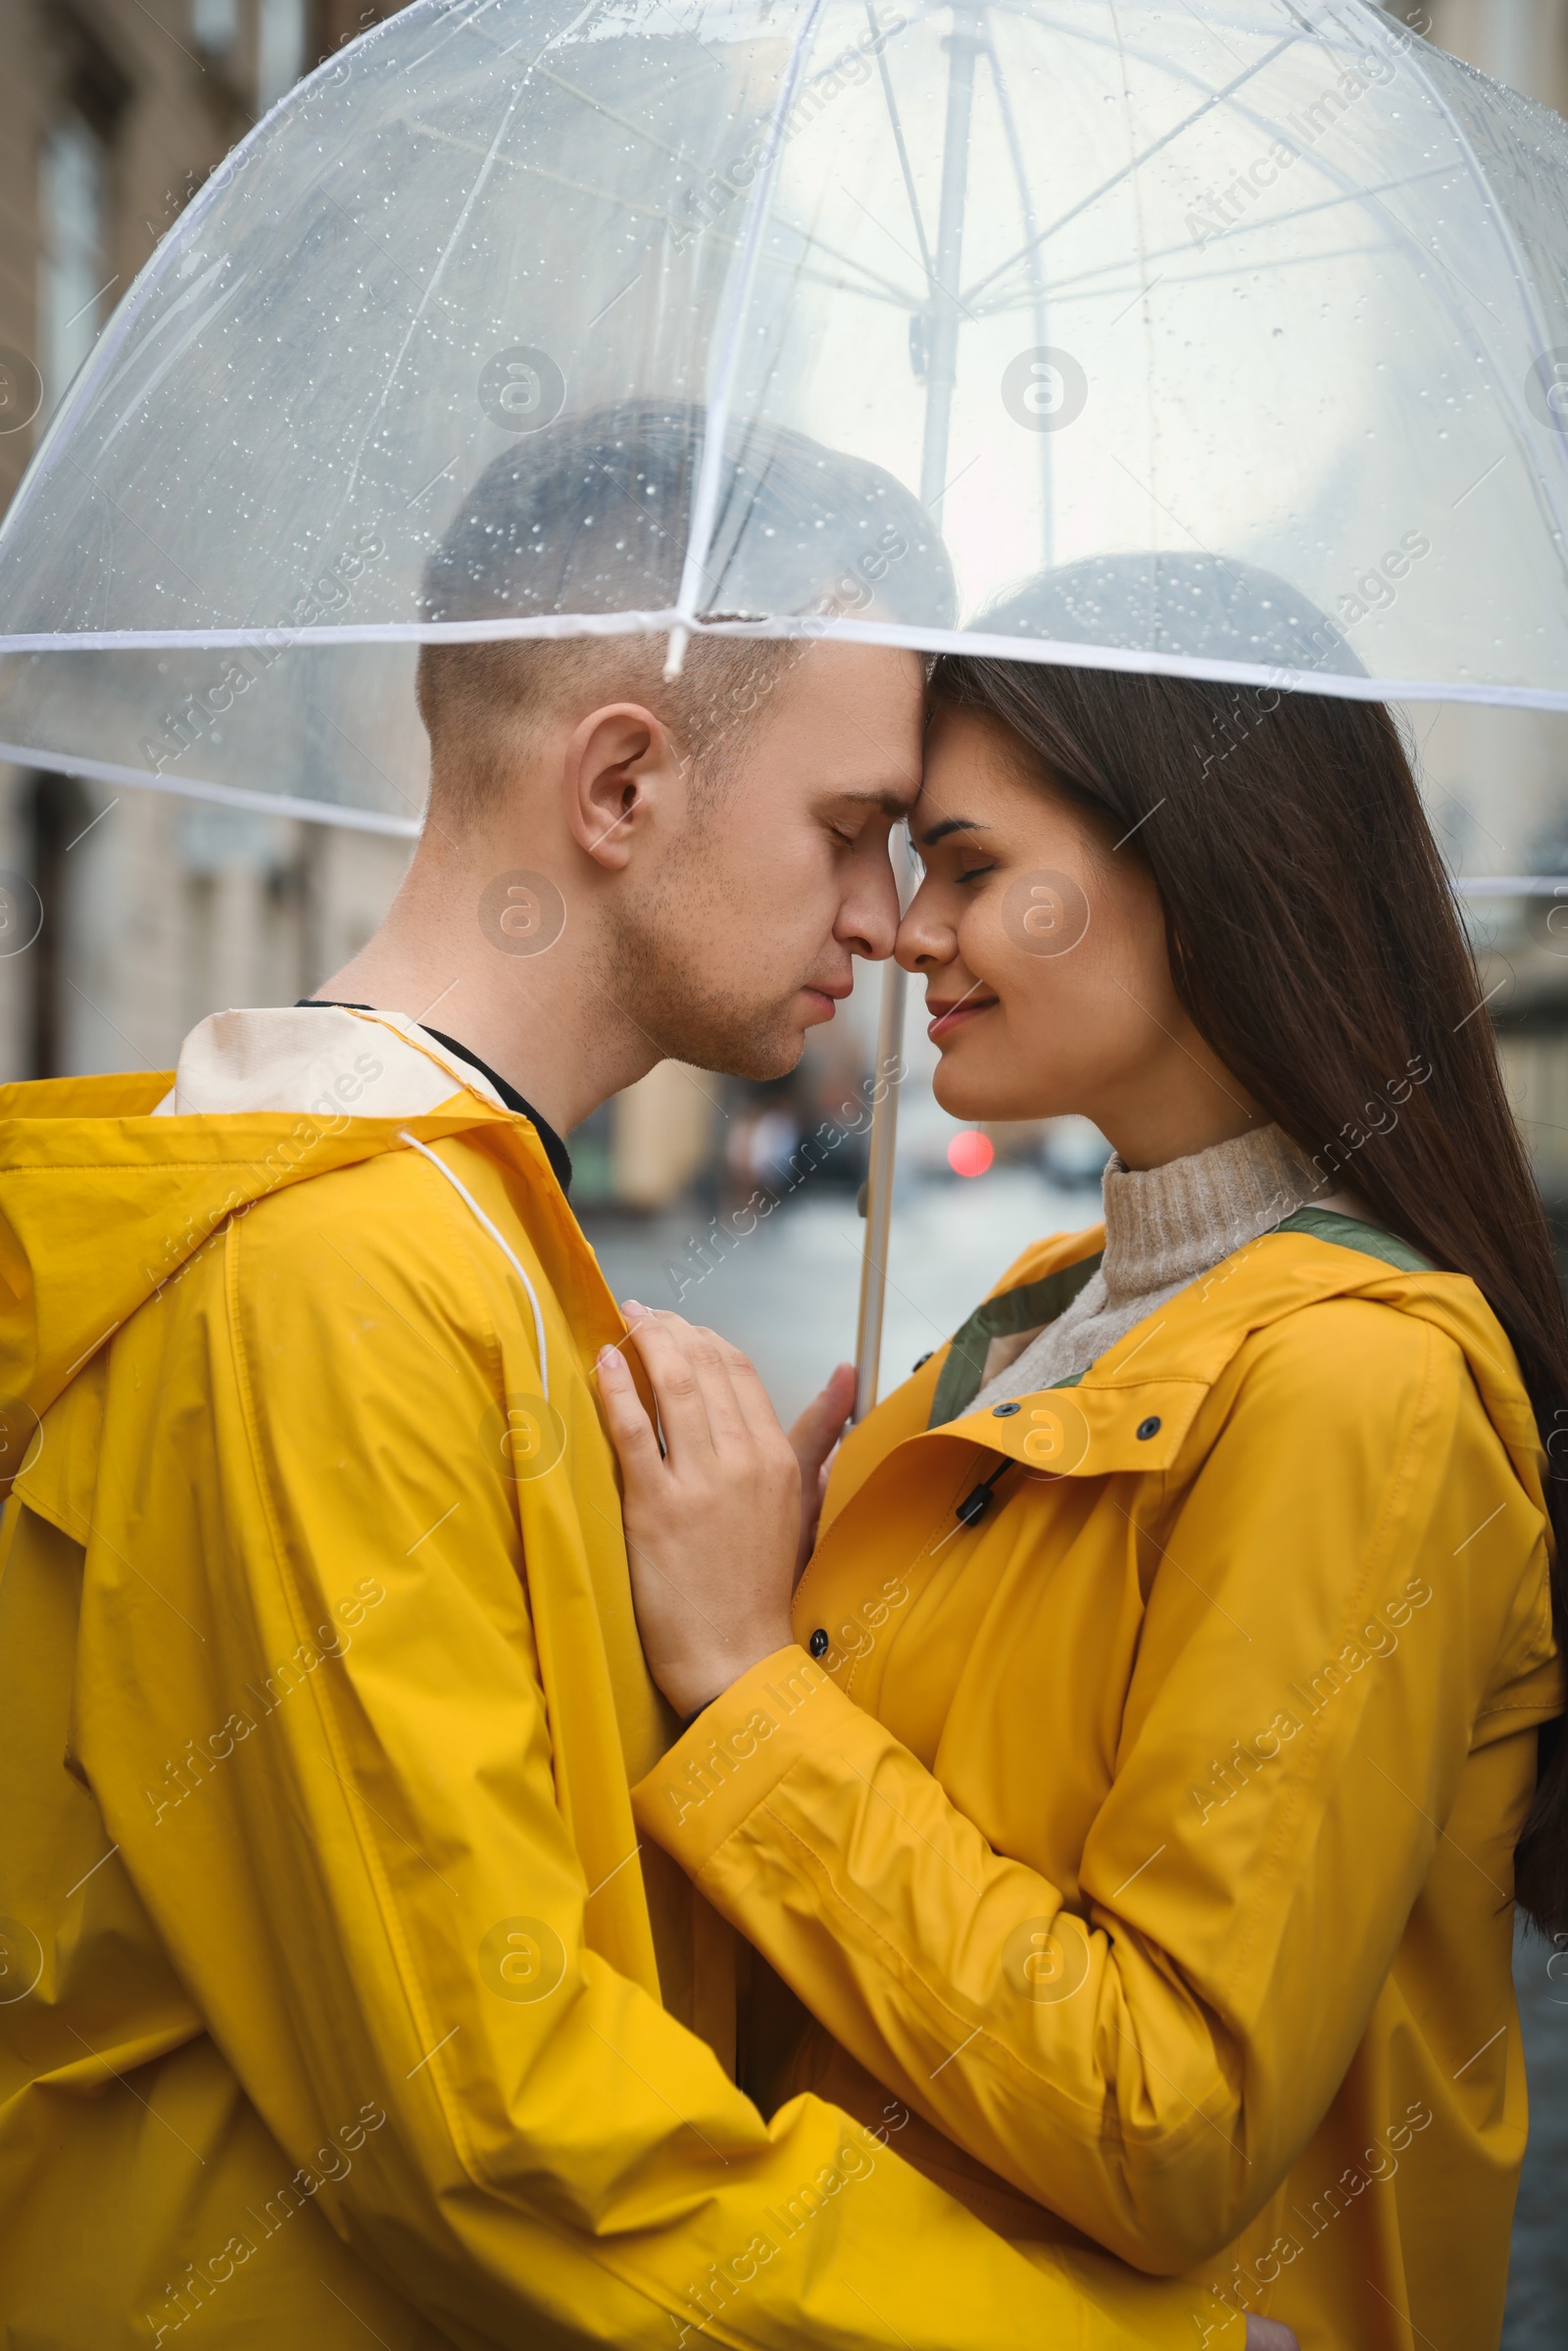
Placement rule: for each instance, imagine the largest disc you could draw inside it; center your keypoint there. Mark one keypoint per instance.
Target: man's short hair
(591, 516)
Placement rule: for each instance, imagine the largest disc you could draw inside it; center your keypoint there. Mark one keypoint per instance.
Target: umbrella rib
(95, 485)
(1020, 169)
(886, 287)
(343, 211)
(1503, 228)
(946, 291)
(464, 24)
(1196, 277)
(704, 502)
(429, 295)
(1349, 192)
(581, 187)
(896, 123)
(1080, 277)
(1037, 274)
(1215, 98)
(883, 288)
(625, 122)
(1400, 234)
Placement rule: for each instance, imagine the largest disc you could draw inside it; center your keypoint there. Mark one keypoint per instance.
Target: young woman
(1134, 1794)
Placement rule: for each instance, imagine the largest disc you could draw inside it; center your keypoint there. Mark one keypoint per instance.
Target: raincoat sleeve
(316, 1725)
(1150, 2061)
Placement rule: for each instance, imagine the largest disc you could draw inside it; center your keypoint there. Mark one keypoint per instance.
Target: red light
(970, 1154)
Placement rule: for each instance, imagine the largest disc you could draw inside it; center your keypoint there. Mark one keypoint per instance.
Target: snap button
(1004, 1411)
(1150, 1426)
(925, 1359)
(819, 1643)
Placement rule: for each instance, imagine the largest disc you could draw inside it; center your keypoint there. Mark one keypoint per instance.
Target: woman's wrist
(692, 1681)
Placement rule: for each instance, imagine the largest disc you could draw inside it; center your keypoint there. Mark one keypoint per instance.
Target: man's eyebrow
(890, 801)
(952, 824)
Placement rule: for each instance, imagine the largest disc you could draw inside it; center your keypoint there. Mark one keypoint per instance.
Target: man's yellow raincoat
(1148, 1826)
(336, 2001)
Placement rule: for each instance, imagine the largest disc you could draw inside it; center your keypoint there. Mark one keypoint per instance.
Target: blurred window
(74, 274)
(280, 50)
(216, 24)
(1513, 43)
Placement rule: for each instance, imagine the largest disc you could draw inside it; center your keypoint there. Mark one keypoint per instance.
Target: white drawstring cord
(464, 1194)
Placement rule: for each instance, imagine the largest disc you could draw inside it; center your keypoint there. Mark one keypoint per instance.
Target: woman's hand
(714, 1527)
(812, 1441)
(1268, 2334)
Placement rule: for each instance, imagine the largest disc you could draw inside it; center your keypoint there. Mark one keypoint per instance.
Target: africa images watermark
(1377, 2164)
(1374, 588)
(724, 1235)
(185, 1773)
(196, 715)
(1219, 211)
(706, 204)
(186, 2298)
(724, 2280)
(712, 1766)
(1335, 1156)
(857, 1635)
(1379, 1638)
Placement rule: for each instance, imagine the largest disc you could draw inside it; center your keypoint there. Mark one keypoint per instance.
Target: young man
(338, 1997)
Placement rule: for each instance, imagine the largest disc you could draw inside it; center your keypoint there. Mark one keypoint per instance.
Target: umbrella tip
(676, 654)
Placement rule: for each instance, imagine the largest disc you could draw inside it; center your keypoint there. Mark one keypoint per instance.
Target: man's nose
(869, 921)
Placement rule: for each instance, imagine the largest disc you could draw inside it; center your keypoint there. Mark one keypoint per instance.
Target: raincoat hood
(105, 1196)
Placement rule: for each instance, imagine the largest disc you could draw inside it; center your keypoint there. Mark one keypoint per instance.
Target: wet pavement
(788, 1293)
(1537, 2286)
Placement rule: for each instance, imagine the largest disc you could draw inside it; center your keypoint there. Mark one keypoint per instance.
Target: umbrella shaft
(962, 48)
(879, 1189)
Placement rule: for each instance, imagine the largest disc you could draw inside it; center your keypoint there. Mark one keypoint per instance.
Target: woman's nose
(923, 938)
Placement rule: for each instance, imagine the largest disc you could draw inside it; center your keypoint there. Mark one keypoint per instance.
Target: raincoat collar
(1134, 1408)
(505, 1091)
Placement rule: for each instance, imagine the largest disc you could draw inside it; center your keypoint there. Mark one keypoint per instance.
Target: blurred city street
(789, 1292)
(1537, 2283)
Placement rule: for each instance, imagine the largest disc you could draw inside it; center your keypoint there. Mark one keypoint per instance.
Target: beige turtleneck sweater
(1164, 1226)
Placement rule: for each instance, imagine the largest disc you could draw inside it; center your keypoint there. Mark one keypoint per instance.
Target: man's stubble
(674, 966)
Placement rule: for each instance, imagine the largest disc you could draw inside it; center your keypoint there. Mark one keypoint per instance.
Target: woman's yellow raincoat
(338, 2003)
(1147, 1827)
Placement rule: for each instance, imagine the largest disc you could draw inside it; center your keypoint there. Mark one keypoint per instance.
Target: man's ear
(620, 761)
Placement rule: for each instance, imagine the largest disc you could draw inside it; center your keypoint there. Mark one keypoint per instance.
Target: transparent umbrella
(1227, 341)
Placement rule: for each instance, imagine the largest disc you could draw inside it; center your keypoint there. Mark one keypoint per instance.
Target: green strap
(1030, 1308)
(1349, 1232)
(1040, 1302)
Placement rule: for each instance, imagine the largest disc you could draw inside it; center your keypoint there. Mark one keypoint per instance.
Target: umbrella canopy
(1230, 343)
(1087, 278)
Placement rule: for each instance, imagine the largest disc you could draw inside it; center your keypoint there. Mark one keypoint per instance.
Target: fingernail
(606, 1356)
(632, 1306)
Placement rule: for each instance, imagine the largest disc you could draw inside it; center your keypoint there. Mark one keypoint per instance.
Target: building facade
(155, 910)
(1497, 781)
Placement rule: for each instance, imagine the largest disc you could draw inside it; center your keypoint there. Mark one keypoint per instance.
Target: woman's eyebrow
(952, 824)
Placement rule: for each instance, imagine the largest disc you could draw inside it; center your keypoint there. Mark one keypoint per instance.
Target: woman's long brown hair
(1314, 941)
